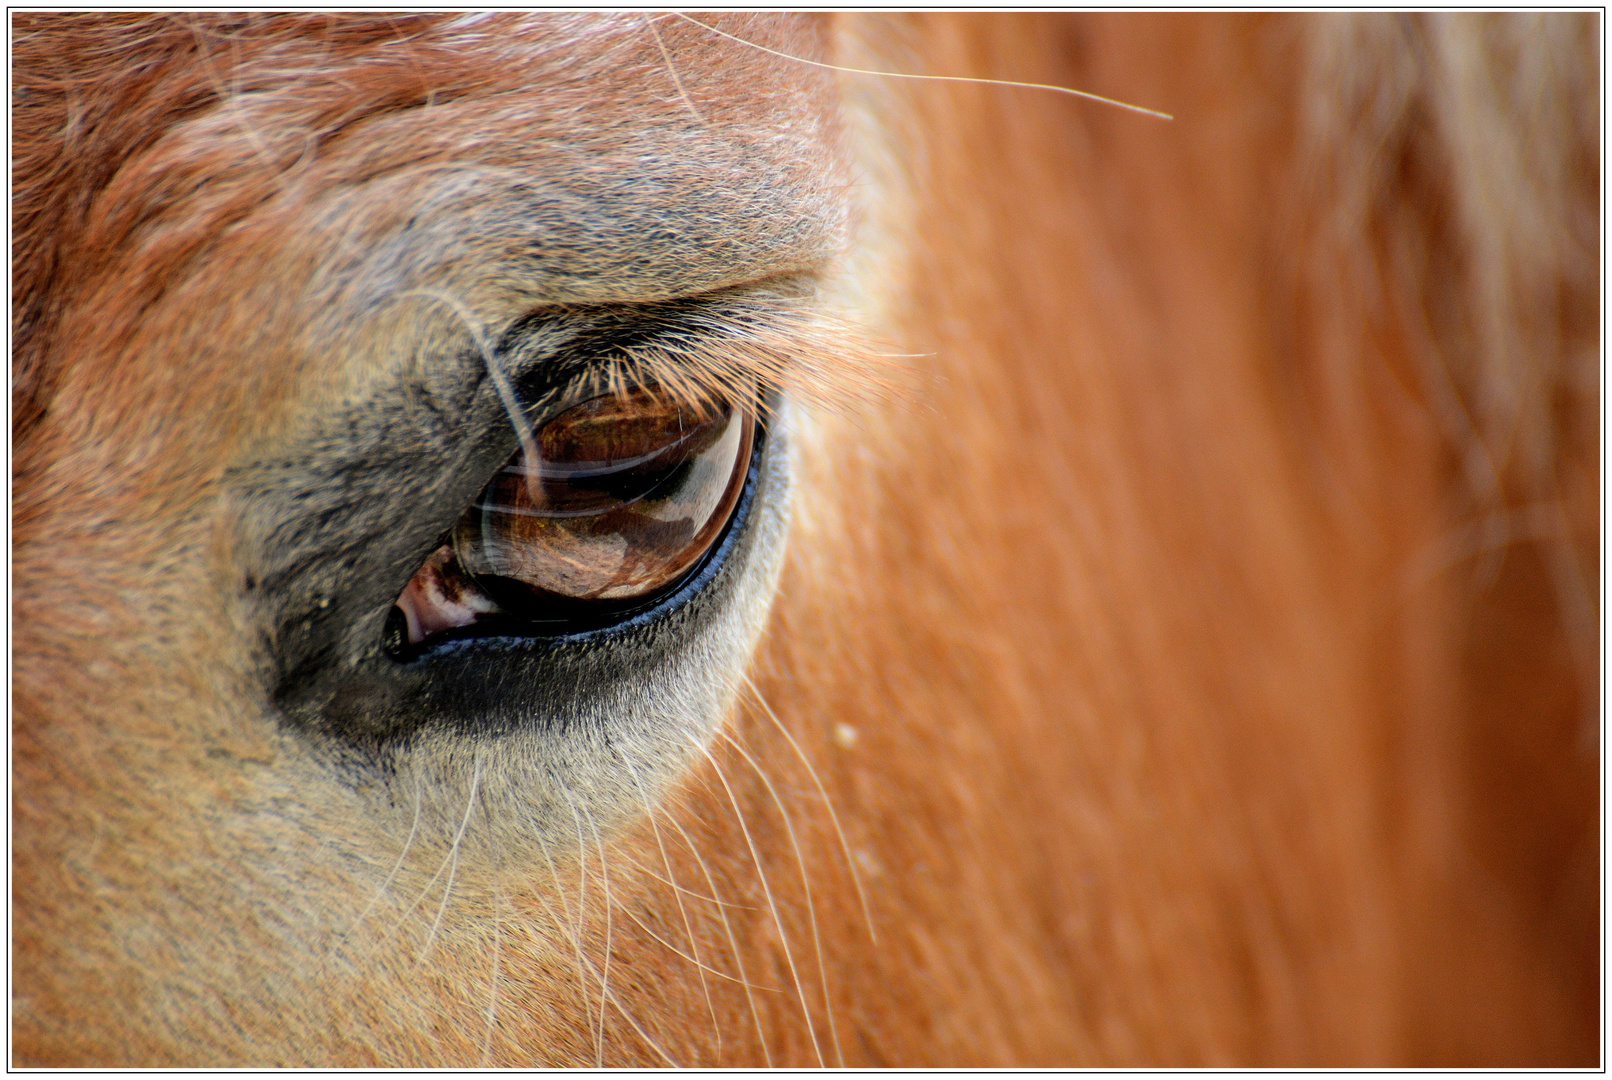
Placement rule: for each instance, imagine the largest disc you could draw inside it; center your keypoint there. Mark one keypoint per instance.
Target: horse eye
(608, 505)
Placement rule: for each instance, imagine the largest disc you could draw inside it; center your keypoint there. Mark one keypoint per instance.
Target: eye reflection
(622, 495)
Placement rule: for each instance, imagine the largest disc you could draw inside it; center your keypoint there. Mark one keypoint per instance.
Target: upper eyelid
(486, 228)
(734, 345)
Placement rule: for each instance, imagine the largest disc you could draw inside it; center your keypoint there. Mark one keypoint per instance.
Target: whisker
(930, 78)
(697, 895)
(426, 890)
(586, 967)
(582, 895)
(683, 955)
(229, 96)
(671, 69)
(766, 888)
(806, 884)
(582, 872)
(738, 958)
(401, 855)
(453, 854)
(604, 886)
(492, 991)
(573, 930)
(345, 934)
(637, 1027)
(850, 863)
(677, 895)
(495, 370)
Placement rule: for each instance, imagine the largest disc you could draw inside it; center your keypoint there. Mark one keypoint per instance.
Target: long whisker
(604, 887)
(625, 910)
(588, 967)
(930, 78)
(806, 884)
(582, 896)
(453, 855)
(492, 991)
(766, 888)
(573, 930)
(447, 859)
(832, 816)
(696, 895)
(565, 927)
(671, 69)
(495, 370)
(229, 96)
(677, 895)
(358, 920)
(401, 855)
(638, 1028)
(733, 943)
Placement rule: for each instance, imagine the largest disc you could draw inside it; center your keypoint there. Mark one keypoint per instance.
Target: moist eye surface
(609, 502)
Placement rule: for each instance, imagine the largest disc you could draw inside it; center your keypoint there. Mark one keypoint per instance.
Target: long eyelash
(739, 352)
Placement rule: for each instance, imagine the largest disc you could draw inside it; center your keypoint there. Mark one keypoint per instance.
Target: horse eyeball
(610, 501)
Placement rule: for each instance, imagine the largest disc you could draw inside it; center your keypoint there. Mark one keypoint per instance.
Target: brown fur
(1199, 663)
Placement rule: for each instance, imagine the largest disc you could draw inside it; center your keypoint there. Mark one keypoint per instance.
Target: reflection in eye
(621, 496)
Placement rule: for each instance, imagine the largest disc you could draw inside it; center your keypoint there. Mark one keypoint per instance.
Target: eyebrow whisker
(671, 69)
(1088, 95)
(495, 370)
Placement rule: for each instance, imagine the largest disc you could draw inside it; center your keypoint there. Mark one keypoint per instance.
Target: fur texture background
(1193, 662)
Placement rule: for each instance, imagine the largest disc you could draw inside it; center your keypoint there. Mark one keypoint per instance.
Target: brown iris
(612, 500)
